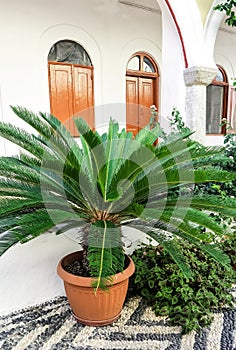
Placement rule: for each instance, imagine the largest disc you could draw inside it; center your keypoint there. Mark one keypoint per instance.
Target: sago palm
(100, 182)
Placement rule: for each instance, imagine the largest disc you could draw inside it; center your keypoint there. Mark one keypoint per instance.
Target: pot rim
(87, 281)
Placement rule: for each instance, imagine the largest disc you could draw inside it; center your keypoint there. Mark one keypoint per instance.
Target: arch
(69, 51)
(59, 32)
(212, 25)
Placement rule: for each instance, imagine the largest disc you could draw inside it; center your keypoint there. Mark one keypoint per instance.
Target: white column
(196, 79)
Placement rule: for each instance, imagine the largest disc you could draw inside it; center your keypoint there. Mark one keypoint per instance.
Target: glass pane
(219, 76)
(69, 51)
(133, 63)
(214, 107)
(148, 66)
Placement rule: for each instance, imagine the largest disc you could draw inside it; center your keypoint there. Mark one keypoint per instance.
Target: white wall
(109, 31)
(28, 271)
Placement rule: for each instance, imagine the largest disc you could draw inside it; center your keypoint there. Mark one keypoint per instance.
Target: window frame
(225, 85)
(141, 72)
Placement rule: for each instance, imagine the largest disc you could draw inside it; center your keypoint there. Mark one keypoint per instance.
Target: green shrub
(229, 245)
(187, 302)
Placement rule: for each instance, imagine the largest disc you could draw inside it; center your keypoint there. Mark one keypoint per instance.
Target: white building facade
(181, 45)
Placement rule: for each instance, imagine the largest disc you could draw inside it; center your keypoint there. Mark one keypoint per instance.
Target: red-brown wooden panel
(146, 99)
(140, 95)
(83, 105)
(71, 93)
(132, 108)
(61, 94)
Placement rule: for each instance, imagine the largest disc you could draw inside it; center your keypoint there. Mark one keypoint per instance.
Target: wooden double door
(140, 95)
(71, 93)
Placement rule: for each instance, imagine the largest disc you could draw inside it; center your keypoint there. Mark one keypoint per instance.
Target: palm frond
(105, 253)
(33, 120)
(177, 255)
(105, 181)
(147, 136)
(186, 215)
(217, 254)
(23, 139)
(211, 203)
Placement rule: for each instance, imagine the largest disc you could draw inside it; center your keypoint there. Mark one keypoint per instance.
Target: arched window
(70, 83)
(141, 90)
(216, 103)
(70, 52)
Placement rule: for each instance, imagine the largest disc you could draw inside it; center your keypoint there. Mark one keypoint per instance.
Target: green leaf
(105, 253)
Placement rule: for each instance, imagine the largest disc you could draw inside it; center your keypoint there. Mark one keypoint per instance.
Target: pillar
(196, 79)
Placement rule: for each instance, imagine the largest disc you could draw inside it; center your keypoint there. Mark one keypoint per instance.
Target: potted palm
(98, 185)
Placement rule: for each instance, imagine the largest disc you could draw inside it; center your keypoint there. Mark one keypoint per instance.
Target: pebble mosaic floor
(51, 326)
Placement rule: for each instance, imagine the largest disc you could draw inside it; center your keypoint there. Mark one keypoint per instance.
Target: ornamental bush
(187, 302)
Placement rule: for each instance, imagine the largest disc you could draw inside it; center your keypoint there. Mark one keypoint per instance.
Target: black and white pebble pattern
(51, 326)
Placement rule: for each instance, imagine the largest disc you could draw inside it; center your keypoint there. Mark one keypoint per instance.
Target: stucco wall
(111, 33)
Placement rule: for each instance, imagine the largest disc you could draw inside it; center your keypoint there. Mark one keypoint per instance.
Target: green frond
(54, 136)
(129, 171)
(167, 220)
(33, 120)
(213, 203)
(210, 249)
(147, 136)
(218, 255)
(113, 151)
(30, 160)
(93, 153)
(167, 242)
(22, 229)
(7, 223)
(23, 139)
(16, 169)
(92, 138)
(177, 255)
(8, 239)
(105, 181)
(74, 154)
(14, 205)
(105, 253)
(207, 156)
(28, 225)
(212, 174)
(178, 214)
(57, 127)
(183, 232)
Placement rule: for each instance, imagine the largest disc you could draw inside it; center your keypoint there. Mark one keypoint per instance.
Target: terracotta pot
(89, 308)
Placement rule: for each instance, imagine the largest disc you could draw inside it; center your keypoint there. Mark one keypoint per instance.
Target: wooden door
(140, 95)
(83, 94)
(132, 108)
(61, 91)
(146, 99)
(71, 93)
